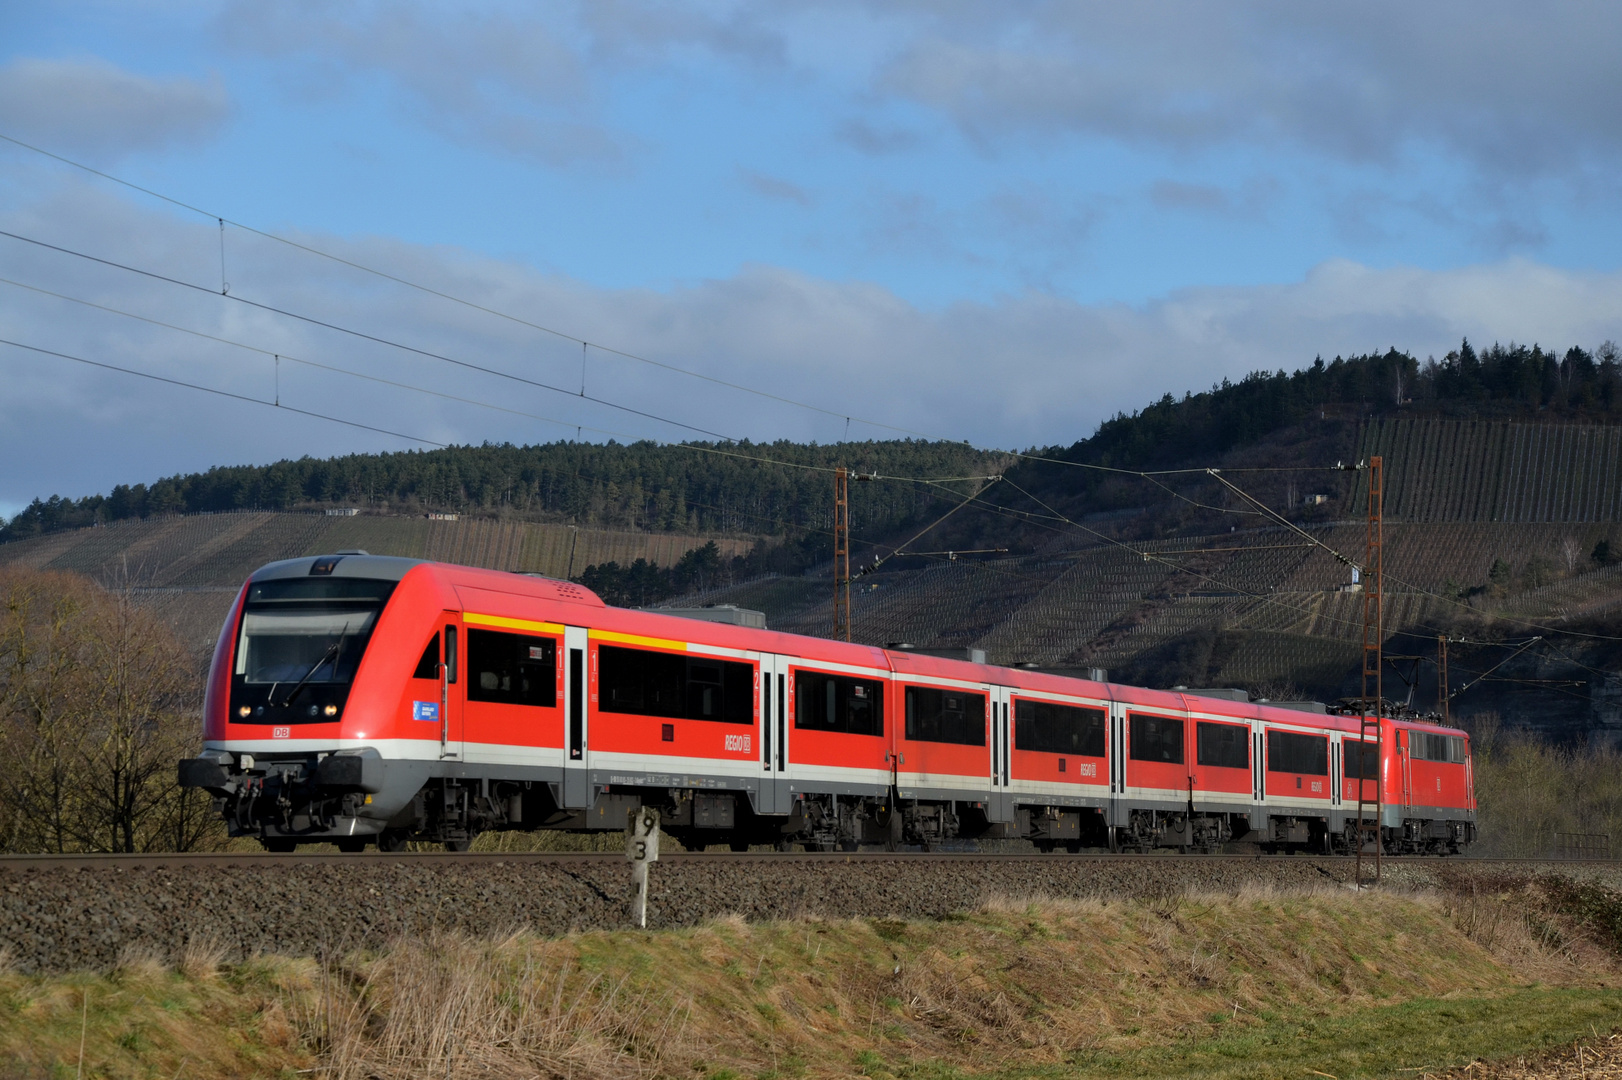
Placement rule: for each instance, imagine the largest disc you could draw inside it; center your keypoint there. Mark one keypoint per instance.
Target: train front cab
(1433, 804)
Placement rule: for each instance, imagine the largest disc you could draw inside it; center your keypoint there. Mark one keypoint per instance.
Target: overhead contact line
(222, 221)
(222, 393)
(154, 275)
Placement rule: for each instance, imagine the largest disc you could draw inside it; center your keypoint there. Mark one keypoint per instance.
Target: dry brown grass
(202, 956)
(1599, 1058)
(1021, 983)
(1026, 981)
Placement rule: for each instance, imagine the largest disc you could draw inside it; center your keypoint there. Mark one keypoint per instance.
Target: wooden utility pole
(842, 554)
(1373, 665)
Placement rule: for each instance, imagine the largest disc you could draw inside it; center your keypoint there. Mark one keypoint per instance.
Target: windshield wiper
(332, 655)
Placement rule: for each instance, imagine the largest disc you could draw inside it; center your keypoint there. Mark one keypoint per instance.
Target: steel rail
(225, 859)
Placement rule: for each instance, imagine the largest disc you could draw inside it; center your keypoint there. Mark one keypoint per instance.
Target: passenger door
(1000, 803)
(1119, 812)
(579, 690)
(776, 796)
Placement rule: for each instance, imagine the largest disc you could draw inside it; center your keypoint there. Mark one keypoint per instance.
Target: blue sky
(993, 222)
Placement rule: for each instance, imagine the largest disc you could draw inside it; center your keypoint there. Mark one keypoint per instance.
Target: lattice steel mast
(842, 554)
(1373, 663)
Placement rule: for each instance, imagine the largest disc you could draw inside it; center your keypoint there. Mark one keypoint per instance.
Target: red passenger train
(358, 699)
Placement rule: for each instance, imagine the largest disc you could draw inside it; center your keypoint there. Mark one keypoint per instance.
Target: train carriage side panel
(842, 716)
(512, 650)
(1297, 760)
(942, 718)
(1058, 745)
(1221, 769)
(1157, 752)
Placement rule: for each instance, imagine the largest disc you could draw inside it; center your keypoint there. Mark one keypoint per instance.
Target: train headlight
(244, 712)
(331, 710)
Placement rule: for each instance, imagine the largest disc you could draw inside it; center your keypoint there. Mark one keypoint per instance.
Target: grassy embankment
(1259, 984)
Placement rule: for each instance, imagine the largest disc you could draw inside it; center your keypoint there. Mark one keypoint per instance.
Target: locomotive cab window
(1424, 746)
(1156, 738)
(1289, 752)
(513, 669)
(1048, 728)
(678, 685)
(945, 716)
(838, 703)
(1223, 746)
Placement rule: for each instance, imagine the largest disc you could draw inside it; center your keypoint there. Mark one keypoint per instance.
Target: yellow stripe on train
(505, 623)
(637, 639)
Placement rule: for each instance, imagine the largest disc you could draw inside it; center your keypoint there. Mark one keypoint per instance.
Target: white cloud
(510, 82)
(92, 108)
(1014, 371)
(1360, 83)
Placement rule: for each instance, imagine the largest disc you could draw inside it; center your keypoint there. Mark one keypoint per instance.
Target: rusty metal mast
(842, 554)
(1441, 679)
(1373, 663)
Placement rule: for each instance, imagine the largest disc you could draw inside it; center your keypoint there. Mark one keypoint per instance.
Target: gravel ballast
(67, 917)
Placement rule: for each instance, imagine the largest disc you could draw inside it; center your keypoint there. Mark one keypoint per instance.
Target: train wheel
(280, 844)
(391, 840)
(848, 845)
(459, 845)
(738, 845)
(349, 845)
(1073, 846)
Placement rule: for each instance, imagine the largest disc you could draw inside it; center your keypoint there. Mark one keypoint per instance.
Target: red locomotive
(357, 699)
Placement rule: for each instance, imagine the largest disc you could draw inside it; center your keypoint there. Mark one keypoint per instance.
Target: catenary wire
(1145, 474)
(222, 393)
(697, 447)
(365, 336)
(562, 335)
(1408, 585)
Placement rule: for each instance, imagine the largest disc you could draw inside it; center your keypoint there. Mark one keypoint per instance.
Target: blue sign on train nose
(425, 710)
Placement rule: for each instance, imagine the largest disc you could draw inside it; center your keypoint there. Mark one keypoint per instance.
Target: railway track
(225, 860)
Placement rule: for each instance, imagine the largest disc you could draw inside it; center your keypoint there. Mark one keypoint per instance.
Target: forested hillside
(762, 488)
(1503, 473)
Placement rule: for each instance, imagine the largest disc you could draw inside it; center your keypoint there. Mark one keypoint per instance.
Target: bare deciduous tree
(98, 700)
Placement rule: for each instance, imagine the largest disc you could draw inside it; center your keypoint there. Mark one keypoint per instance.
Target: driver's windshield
(301, 642)
(311, 647)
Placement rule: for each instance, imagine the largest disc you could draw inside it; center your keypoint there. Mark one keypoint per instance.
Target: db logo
(280, 732)
(738, 743)
(1317, 785)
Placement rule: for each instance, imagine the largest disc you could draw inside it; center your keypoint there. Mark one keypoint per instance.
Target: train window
(1291, 753)
(428, 663)
(947, 716)
(1225, 746)
(1058, 729)
(513, 669)
(1423, 746)
(1366, 754)
(689, 687)
(1156, 738)
(838, 703)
